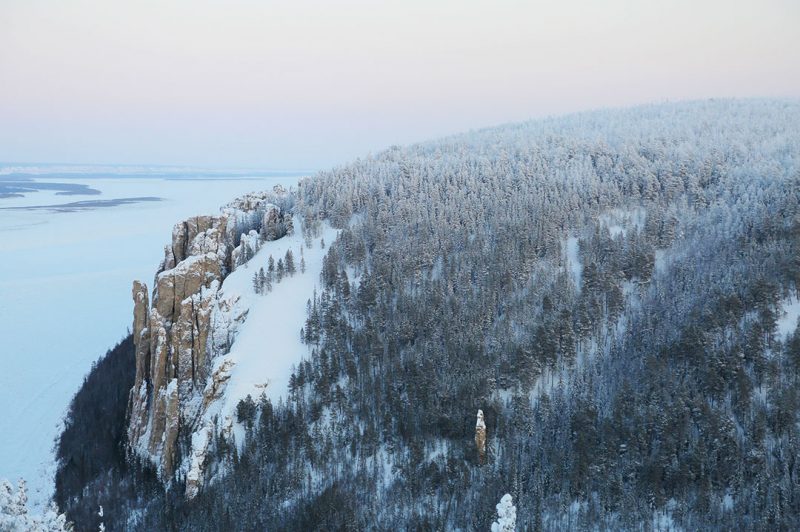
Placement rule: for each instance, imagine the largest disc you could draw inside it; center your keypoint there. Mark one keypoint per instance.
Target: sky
(307, 84)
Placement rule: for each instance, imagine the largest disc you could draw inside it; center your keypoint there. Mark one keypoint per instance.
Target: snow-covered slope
(209, 337)
(267, 345)
(787, 321)
(655, 387)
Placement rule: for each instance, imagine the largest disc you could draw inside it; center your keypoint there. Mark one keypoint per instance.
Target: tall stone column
(480, 438)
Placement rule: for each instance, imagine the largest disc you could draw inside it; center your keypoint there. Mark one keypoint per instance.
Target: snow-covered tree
(262, 283)
(280, 270)
(289, 260)
(266, 285)
(256, 283)
(15, 515)
(506, 515)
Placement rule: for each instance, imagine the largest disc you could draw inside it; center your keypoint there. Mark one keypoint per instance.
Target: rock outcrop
(188, 323)
(480, 438)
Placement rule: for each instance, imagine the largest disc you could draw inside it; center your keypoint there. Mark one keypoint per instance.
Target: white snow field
(787, 321)
(65, 296)
(267, 345)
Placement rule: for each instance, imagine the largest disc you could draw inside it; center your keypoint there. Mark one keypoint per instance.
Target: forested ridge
(610, 288)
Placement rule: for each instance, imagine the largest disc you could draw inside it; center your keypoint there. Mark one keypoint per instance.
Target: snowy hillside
(615, 294)
(267, 345)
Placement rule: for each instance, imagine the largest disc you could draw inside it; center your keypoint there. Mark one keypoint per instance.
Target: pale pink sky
(309, 84)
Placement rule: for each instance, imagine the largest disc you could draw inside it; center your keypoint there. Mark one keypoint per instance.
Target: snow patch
(621, 221)
(570, 250)
(268, 346)
(660, 265)
(790, 313)
(727, 502)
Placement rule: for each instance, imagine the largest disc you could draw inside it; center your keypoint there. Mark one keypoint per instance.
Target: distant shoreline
(19, 185)
(84, 205)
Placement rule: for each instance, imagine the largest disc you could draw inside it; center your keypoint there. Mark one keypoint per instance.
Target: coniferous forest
(609, 288)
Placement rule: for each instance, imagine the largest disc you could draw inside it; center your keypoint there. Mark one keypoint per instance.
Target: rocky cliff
(188, 322)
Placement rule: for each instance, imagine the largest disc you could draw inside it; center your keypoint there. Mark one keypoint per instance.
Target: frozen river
(66, 266)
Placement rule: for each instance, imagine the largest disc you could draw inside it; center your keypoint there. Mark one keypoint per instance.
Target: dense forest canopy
(610, 288)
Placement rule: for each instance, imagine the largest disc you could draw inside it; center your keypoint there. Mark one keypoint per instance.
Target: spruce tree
(280, 270)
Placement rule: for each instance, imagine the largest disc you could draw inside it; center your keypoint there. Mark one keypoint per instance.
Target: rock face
(188, 323)
(480, 437)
